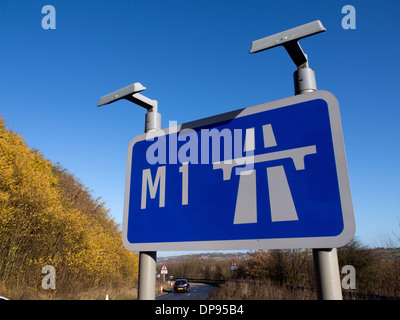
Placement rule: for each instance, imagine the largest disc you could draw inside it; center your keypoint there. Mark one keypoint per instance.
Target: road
(198, 291)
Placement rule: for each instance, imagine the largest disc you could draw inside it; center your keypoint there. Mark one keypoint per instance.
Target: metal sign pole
(148, 259)
(147, 275)
(327, 277)
(325, 260)
(326, 266)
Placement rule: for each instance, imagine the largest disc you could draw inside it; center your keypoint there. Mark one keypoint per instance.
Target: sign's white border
(282, 243)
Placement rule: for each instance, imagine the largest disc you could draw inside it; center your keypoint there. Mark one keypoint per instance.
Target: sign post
(234, 268)
(147, 259)
(164, 271)
(325, 260)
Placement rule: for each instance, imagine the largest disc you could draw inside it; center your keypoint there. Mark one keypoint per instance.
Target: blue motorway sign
(268, 176)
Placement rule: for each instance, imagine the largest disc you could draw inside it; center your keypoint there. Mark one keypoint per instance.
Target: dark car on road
(181, 285)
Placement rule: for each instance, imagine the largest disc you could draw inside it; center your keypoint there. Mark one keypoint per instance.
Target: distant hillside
(48, 217)
(205, 256)
(214, 265)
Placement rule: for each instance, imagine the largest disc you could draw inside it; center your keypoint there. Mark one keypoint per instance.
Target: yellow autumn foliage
(47, 217)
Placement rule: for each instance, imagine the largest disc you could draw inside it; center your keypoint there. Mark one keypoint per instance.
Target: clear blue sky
(193, 58)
